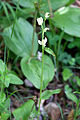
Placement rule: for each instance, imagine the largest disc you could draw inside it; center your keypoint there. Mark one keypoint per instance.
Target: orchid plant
(41, 22)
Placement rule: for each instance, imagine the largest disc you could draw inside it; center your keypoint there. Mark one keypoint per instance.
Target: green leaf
(2, 97)
(68, 89)
(5, 116)
(21, 41)
(53, 38)
(33, 113)
(44, 5)
(77, 80)
(7, 81)
(26, 3)
(4, 110)
(2, 66)
(23, 112)
(76, 92)
(64, 57)
(70, 95)
(48, 93)
(27, 9)
(54, 4)
(25, 13)
(64, 19)
(13, 79)
(75, 43)
(78, 113)
(48, 50)
(6, 11)
(31, 68)
(67, 73)
(71, 1)
(68, 37)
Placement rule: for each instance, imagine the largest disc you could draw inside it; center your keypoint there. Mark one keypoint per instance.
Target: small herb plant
(59, 46)
(6, 78)
(38, 67)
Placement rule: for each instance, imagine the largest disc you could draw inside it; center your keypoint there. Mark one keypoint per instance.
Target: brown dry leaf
(53, 111)
(71, 115)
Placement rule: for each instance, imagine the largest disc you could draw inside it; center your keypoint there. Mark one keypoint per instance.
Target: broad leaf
(32, 70)
(48, 93)
(67, 73)
(23, 112)
(26, 3)
(68, 19)
(55, 4)
(20, 42)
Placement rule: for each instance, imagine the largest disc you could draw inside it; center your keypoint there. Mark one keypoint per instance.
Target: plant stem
(60, 40)
(41, 84)
(41, 81)
(50, 7)
(58, 49)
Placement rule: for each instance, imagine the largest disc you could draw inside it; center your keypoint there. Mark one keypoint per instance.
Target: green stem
(60, 40)
(41, 84)
(59, 46)
(41, 81)
(50, 7)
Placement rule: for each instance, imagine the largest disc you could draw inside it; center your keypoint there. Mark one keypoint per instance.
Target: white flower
(40, 21)
(40, 42)
(46, 29)
(47, 15)
(43, 42)
(39, 56)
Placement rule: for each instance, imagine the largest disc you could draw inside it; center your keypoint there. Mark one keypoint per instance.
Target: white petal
(44, 42)
(40, 21)
(45, 39)
(47, 15)
(46, 29)
(40, 42)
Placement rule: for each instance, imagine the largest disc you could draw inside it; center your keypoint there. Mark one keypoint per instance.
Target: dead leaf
(53, 111)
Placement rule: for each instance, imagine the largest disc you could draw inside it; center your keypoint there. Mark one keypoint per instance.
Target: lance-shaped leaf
(48, 50)
(48, 93)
